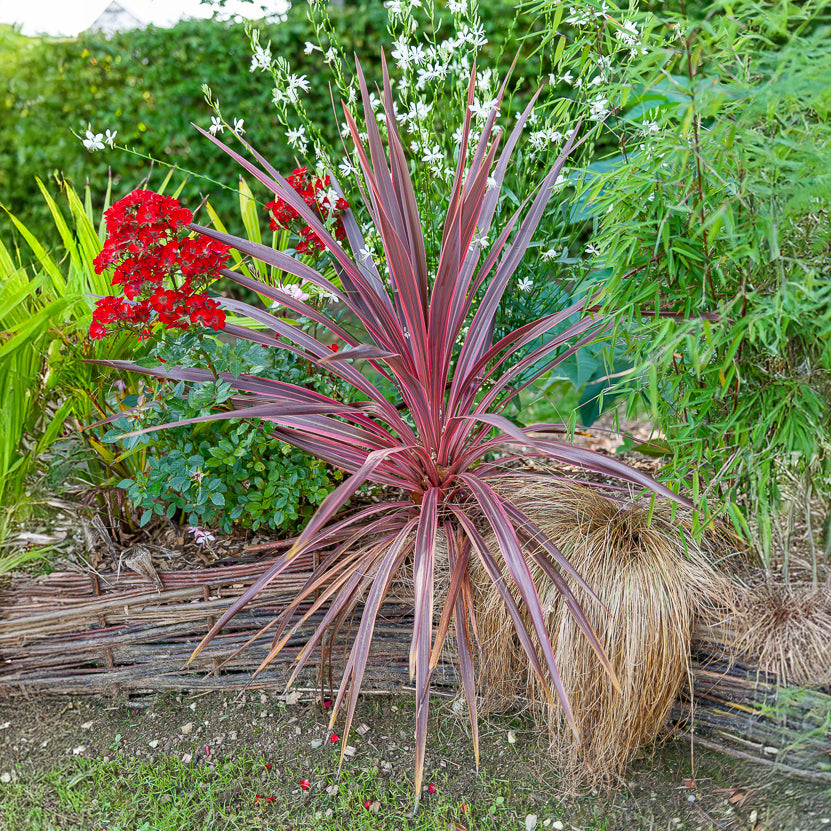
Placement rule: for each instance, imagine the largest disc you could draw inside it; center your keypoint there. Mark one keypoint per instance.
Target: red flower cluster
(147, 245)
(316, 194)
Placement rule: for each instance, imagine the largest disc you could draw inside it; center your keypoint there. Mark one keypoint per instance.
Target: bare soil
(674, 788)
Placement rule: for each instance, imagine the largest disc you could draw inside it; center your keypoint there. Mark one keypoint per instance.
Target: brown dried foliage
(786, 630)
(652, 581)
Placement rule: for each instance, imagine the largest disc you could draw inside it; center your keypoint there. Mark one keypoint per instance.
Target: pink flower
(304, 784)
(464, 807)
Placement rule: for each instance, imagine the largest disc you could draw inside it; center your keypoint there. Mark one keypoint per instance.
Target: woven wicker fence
(73, 632)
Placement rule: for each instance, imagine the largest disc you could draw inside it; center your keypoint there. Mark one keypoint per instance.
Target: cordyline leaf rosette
(453, 397)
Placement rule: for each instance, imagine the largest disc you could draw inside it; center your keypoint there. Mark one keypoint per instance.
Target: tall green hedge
(147, 85)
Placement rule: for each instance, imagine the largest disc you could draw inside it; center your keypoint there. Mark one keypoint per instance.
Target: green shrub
(222, 473)
(713, 222)
(146, 84)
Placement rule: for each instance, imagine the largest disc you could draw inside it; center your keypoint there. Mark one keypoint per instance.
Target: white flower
(331, 55)
(417, 54)
(578, 17)
(599, 108)
(297, 138)
(565, 78)
(401, 53)
(526, 284)
(628, 34)
(365, 255)
(592, 250)
(238, 122)
(216, 125)
(296, 82)
(491, 184)
(475, 35)
(549, 255)
(261, 59)
(311, 47)
(432, 155)
(201, 536)
(482, 110)
(457, 6)
(294, 291)
(110, 137)
(93, 141)
(418, 111)
(347, 168)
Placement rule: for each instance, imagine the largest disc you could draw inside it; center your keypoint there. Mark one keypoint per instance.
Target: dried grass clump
(786, 630)
(652, 580)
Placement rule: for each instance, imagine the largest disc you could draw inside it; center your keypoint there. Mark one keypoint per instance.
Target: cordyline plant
(453, 387)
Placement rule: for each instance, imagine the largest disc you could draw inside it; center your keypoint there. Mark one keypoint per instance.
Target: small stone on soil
(186, 728)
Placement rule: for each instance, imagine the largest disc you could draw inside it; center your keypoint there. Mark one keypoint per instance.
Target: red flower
(164, 300)
(327, 702)
(108, 309)
(267, 766)
(334, 738)
(368, 804)
(464, 807)
(334, 347)
(304, 784)
(431, 788)
(314, 191)
(147, 244)
(97, 330)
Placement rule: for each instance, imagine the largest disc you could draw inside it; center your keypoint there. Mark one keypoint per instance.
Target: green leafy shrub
(713, 222)
(45, 305)
(222, 473)
(146, 84)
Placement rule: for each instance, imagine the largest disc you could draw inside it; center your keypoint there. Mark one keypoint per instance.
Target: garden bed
(88, 633)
